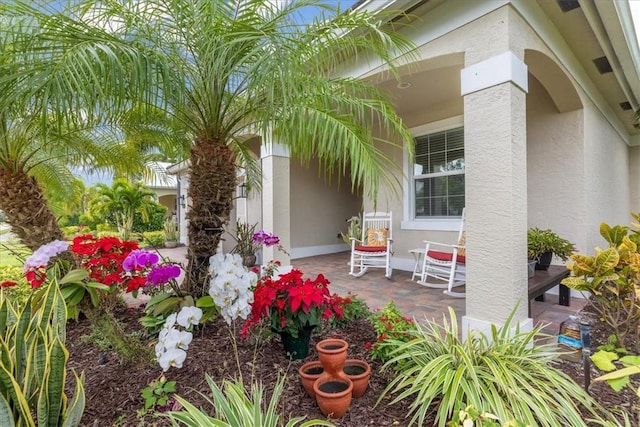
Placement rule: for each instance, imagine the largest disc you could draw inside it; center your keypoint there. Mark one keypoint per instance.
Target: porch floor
(412, 299)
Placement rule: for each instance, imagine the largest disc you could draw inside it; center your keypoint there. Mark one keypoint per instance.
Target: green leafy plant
(157, 394)
(14, 285)
(617, 377)
(391, 327)
(470, 417)
(612, 345)
(505, 373)
(235, 406)
(354, 230)
(33, 361)
(612, 277)
(353, 308)
(154, 239)
(541, 241)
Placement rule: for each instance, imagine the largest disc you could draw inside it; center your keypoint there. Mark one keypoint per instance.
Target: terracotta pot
(333, 396)
(332, 353)
(309, 373)
(358, 371)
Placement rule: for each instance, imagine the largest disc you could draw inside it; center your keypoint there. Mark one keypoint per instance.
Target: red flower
(8, 284)
(368, 345)
(290, 303)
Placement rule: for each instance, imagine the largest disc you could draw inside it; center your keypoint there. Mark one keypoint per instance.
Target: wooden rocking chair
(446, 263)
(375, 248)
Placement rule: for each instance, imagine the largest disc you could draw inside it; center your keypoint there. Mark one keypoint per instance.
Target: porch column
(494, 93)
(276, 200)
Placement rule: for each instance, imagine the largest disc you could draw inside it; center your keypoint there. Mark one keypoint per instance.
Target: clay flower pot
(358, 371)
(333, 396)
(309, 373)
(332, 353)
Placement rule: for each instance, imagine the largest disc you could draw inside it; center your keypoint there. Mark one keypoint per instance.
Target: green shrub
(18, 294)
(104, 227)
(70, 231)
(391, 328)
(612, 277)
(353, 308)
(101, 234)
(153, 238)
(504, 374)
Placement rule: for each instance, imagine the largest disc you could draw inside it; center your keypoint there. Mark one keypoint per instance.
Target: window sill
(452, 224)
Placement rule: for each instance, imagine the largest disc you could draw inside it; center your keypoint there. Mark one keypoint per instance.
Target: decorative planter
(544, 261)
(358, 371)
(333, 395)
(249, 260)
(171, 244)
(332, 353)
(309, 373)
(297, 347)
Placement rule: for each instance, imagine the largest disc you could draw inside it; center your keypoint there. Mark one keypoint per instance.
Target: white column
(276, 205)
(494, 93)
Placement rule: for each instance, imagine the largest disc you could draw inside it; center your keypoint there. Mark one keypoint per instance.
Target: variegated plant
(612, 276)
(33, 360)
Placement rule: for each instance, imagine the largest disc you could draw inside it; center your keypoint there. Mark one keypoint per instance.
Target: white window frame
(410, 222)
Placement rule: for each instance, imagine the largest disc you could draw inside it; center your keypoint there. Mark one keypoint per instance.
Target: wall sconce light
(242, 191)
(183, 203)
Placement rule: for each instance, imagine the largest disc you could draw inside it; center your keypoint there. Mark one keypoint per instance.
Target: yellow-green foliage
(612, 276)
(101, 234)
(17, 294)
(33, 361)
(70, 231)
(153, 238)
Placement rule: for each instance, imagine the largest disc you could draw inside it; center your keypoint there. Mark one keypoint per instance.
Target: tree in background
(120, 203)
(224, 69)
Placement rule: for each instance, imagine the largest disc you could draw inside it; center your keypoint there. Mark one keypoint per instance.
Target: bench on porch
(543, 280)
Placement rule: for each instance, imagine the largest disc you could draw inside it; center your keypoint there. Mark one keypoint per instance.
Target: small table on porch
(543, 280)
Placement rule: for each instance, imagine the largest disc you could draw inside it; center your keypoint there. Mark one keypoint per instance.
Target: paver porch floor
(411, 298)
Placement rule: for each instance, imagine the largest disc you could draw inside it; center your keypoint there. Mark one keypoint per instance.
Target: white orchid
(230, 286)
(189, 316)
(172, 357)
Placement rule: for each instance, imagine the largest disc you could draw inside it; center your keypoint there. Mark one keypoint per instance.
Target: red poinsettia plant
(291, 303)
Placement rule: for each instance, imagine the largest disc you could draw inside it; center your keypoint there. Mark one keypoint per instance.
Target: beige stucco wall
(555, 167)
(634, 179)
(319, 209)
(606, 177)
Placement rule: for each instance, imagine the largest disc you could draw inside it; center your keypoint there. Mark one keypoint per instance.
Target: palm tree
(223, 69)
(35, 160)
(122, 201)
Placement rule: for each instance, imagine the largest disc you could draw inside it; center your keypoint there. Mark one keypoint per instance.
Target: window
(438, 174)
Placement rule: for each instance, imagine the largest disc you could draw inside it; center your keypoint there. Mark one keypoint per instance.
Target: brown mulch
(113, 390)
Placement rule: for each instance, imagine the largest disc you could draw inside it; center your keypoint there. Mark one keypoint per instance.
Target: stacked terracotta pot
(333, 379)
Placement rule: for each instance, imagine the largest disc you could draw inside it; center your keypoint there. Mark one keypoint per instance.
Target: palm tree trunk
(28, 213)
(212, 183)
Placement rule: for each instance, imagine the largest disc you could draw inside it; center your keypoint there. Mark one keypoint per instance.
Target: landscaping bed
(113, 390)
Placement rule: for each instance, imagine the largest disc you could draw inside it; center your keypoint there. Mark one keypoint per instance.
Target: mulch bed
(113, 389)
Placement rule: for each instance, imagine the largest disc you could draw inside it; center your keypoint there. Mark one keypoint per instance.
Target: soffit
(580, 36)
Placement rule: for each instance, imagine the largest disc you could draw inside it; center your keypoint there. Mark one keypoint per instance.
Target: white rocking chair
(446, 263)
(375, 248)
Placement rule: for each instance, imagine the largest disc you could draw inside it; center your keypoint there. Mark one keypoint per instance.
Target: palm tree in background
(224, 69)
(121, 201)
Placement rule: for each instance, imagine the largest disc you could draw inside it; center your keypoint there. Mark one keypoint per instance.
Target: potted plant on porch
(543, 244)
